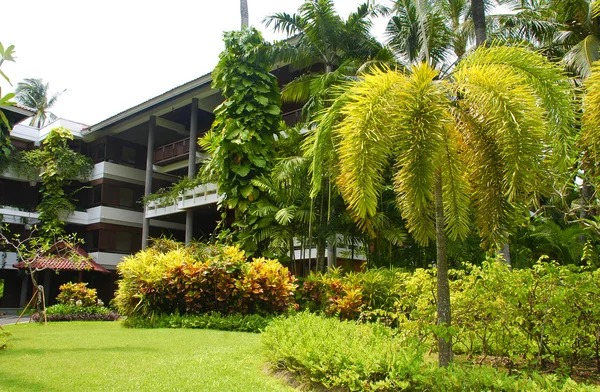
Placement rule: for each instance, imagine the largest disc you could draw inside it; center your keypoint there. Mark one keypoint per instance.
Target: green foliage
(68, 308)
(232, 322)
(532, 317)
(368, 357)
(201, 279)
(5, 126)
(73, 293)
(244, 130)
(589, 138)
(56, 165)
(170, 195)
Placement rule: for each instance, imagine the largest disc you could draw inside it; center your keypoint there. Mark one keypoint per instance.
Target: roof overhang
(149, 105)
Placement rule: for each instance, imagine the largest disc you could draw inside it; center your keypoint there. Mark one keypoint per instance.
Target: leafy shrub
(233, 322)
(71, 293)
(534, 317)
(4, 335)
(198, 279)
(346, 354)
(70, 312)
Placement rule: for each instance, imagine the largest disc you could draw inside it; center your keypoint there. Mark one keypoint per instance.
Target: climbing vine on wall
(57, 165)
(6, 54)
(246, 123)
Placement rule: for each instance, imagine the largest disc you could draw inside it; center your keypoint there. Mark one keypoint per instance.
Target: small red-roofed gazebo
(76, 260)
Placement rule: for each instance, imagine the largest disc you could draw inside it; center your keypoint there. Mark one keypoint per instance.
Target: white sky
(111, 55)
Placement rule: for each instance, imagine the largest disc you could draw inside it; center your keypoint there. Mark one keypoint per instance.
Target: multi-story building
(135, 153)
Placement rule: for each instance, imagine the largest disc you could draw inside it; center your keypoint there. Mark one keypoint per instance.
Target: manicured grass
(104, 356)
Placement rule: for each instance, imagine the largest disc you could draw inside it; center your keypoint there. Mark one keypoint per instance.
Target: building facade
(135, 153)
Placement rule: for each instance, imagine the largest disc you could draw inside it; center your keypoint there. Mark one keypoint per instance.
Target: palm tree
(34, 94)
(488, 129)
(339, 47)
(244, 13)
(478, 13)
(589, 137)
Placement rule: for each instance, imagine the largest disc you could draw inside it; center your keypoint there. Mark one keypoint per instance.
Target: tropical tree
(589, 137)
(243, 134)
(480, 140)
(57, 165)
(5, 126)
(335, 48)
(34, 94)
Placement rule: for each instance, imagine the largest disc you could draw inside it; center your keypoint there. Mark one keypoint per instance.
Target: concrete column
(189, 214)
(24, 286)
(148, 184)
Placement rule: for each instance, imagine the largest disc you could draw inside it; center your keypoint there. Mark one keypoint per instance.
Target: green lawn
(104, 356)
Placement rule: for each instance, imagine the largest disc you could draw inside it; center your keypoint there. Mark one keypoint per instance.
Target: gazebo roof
(84, 262)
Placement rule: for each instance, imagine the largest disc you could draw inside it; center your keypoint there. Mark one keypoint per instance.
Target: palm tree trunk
(443, 285)
(505, 252)
(478, 12)
(244, 13)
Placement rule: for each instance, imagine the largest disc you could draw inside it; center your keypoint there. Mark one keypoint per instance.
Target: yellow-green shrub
(190, 280)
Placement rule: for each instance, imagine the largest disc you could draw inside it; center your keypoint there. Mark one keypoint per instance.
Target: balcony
(201, 195)
(172, 152)
(293, 117)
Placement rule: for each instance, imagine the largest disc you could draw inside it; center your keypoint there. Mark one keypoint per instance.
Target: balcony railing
(201, 195)
(293, 117)
(172, 152)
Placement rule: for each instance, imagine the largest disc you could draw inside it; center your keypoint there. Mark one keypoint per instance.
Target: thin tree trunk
(244, 13)
(478, 12)
(505, 252)
(330, 256)
(443, 285)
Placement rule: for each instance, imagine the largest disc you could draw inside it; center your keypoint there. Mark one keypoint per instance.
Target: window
(100, 152)
(91, 240)
(123, 241)
(126, 197)
(97, 195)
(129, 155)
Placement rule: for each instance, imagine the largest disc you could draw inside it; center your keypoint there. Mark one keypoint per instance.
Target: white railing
(201, 195)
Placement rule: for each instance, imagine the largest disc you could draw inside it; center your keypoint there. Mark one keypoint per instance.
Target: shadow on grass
(123, 349)
(12, 383)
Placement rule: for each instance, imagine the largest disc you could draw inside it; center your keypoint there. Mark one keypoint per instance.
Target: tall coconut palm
(244, 13)
(34, 94)
(483, 135)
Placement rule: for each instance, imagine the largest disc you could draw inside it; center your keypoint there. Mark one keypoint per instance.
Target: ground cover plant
(172, 279)
(232, 322)
(107, 357)
(359, 357)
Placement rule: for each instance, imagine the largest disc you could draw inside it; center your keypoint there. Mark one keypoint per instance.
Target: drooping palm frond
(503, 122)
(589, 138)
(582, 55)
(319, 146)
(551, 87)
(391, 115)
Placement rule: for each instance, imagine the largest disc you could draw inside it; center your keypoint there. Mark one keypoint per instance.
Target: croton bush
(71, 293)
(200, 279)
